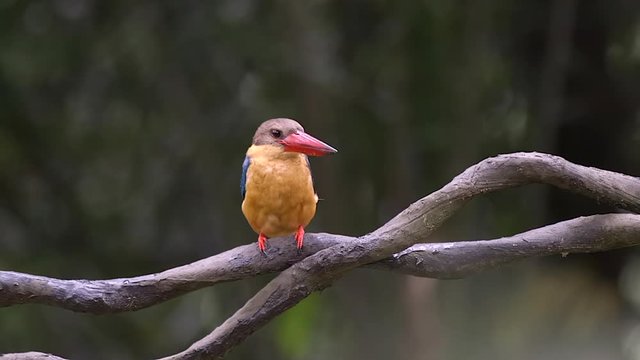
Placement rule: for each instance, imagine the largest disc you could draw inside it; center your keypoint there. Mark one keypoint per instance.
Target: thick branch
(129, 294)
(436, 260)
(329, 256)
(455, 260)
(409, 227)
(458, 259)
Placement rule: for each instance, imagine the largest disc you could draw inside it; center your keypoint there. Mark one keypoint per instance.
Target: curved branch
(459, 259)
(130, 294)
(417, 222)
(327, 257)
(454, 260)
(436, 260)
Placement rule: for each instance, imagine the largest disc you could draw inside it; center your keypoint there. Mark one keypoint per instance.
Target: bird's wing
(243, 177)
(310, 172)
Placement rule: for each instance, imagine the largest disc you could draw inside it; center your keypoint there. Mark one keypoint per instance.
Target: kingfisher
(276, 183)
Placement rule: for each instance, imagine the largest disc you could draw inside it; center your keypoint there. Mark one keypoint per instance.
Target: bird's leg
(299, 237)
(262, 242)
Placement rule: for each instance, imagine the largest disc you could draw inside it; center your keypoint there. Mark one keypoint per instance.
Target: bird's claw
(299, 237)
(262, 243)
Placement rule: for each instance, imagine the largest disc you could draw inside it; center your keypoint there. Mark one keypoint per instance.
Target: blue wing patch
(310, 172)
(243, 177)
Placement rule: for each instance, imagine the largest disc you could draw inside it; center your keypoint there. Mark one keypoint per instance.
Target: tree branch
(459, 259)
(326, 257)
(417, 222)
(436, 260)
(130, 294)
(454, 260)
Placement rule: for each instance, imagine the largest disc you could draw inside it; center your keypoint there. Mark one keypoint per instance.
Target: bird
(276, 182)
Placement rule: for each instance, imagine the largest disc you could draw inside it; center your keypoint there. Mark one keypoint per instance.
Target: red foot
(299, 237)
(262, 242)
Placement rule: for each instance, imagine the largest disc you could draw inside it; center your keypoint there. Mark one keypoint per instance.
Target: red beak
(304, 143)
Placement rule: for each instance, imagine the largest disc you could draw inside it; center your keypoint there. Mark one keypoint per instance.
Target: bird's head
(290, 136)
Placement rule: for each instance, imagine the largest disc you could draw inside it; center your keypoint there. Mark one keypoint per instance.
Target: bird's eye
(276, 133)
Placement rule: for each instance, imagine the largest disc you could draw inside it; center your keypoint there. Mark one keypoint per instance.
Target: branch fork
(397, 246)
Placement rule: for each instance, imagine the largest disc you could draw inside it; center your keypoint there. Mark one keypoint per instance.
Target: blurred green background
(123, 126)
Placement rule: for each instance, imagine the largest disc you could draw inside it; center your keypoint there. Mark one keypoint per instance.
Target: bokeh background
(123, 126)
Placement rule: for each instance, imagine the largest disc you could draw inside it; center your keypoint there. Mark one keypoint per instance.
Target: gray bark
(326, 257)
(411, 226)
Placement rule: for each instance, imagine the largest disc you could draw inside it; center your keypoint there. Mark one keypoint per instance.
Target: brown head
(290, 135)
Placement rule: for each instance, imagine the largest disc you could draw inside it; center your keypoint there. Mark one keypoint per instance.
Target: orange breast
(279, 191)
